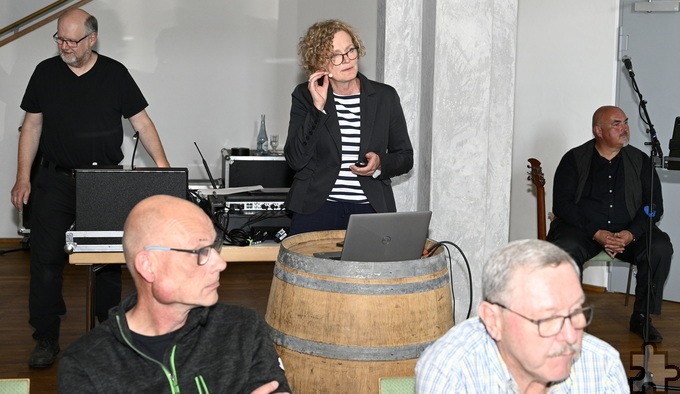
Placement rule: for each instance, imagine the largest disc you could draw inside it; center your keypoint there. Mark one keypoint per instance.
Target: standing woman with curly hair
(347, 135)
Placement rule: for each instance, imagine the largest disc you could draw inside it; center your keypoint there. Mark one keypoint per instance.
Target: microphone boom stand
(643, 381)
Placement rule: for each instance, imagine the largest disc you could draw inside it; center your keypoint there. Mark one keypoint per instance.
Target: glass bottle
(262, 148)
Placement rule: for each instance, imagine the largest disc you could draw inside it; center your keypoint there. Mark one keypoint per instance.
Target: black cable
(244, 235)
(263, 215)
(259, 235)
(434, 248)
(237, 236)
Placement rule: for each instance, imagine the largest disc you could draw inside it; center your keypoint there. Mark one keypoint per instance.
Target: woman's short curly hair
(316, 46)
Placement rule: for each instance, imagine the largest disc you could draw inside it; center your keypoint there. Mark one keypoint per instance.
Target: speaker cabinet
(104, 197)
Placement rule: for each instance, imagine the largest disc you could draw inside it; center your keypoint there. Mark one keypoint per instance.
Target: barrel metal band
(362, 269)
(360, 288)
(351, 353)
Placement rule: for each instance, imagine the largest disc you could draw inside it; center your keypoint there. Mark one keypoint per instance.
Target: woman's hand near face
(319, 92)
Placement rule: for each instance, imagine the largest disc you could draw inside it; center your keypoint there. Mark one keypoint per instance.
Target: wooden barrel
(340, 326)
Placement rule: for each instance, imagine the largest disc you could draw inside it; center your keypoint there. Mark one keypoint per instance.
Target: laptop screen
(392, 236)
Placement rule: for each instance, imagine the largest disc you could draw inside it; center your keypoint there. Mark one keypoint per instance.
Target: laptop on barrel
(379, 237)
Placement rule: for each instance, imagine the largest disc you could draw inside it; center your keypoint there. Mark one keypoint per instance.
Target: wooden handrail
(36, 14)
(39, 23)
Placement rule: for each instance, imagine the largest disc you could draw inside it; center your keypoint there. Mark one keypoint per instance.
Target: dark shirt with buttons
(603, 199)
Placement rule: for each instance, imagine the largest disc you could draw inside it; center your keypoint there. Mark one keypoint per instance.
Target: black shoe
(637, 325)
(45, 352)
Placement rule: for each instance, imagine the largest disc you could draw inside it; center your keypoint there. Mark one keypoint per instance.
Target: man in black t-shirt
(74, 103)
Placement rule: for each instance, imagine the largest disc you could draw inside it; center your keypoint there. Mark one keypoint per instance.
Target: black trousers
(52, 213)
(331, 216)
(581, 249)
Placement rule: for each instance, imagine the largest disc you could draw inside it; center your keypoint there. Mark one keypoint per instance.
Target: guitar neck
(540, 206)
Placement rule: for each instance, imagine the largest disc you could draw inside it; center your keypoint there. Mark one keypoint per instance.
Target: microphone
(650, 210)
(628, 64)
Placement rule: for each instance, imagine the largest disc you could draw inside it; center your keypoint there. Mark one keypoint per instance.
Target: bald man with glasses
(172, 335)
(529, 336)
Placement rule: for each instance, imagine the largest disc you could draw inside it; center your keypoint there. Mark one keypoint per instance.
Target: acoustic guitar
(536, 177)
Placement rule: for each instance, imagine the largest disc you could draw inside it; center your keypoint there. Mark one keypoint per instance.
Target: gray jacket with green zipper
(220, 349)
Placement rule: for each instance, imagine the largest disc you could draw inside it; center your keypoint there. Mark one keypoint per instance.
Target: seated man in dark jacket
(172, 336)
(601, 198)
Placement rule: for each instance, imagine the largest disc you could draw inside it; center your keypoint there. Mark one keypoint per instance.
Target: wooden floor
(248, 284)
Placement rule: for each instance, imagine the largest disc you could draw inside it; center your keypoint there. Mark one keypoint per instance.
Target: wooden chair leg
(630, 274)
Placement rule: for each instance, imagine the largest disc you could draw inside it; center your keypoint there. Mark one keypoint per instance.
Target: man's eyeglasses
(70, 43)
(202, 254)
(338, 58)
(551, 326)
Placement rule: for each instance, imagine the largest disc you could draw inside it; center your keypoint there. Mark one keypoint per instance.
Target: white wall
(566, 68)
(207, 72)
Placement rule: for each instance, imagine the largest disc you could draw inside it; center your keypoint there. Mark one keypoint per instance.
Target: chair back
(405, 385)
(15, 386)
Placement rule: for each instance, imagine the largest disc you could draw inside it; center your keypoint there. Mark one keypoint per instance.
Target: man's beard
(627, 141)
(72, 59)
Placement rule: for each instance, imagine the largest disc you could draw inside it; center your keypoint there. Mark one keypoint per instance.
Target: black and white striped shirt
(347, 187)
